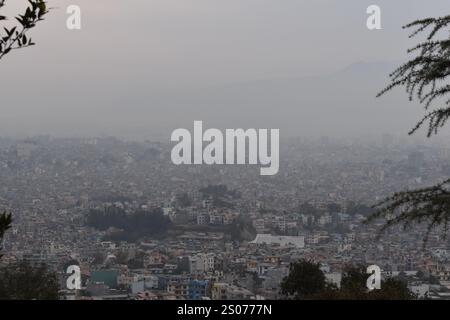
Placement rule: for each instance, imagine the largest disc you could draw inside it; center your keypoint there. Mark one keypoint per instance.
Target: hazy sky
(142, 67)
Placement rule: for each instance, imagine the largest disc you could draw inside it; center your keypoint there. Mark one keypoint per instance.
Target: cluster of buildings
(229, 243)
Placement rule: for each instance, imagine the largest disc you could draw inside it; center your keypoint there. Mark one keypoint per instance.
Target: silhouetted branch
(425, 77)
(15, 37)
(428, 205)
(5, 224)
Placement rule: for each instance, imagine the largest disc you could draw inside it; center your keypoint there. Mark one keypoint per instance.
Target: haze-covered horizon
(140, 69)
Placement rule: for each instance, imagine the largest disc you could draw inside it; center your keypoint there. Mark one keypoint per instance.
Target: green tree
(353, 287)
(23, 281)
(426, 78)
(183, 200)
(305, 280)
(5, 224)
(353, 283)
(392, 289)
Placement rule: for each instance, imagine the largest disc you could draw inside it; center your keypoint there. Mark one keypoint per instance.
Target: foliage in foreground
(307, 281)
(5, 224)
(23, 281)
(426, 79)
(16, 37)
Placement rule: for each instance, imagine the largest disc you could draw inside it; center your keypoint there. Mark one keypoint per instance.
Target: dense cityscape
(142, 228)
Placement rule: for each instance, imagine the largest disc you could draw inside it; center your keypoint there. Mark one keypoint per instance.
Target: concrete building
(282, 241)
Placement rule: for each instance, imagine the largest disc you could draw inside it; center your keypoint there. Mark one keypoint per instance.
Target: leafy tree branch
(5, 224)
(425, 78)
(15, 37)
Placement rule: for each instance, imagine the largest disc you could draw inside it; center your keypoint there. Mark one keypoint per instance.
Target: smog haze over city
(223, 150)
(140, 69)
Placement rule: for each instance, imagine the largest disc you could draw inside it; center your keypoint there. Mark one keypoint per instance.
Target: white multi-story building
(282, 241)
(201, 263)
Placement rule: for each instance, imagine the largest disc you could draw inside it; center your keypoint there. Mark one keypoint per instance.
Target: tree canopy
(23, 281)
(130, 226)
(426, 79)
(307, 281)
(5, 224)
